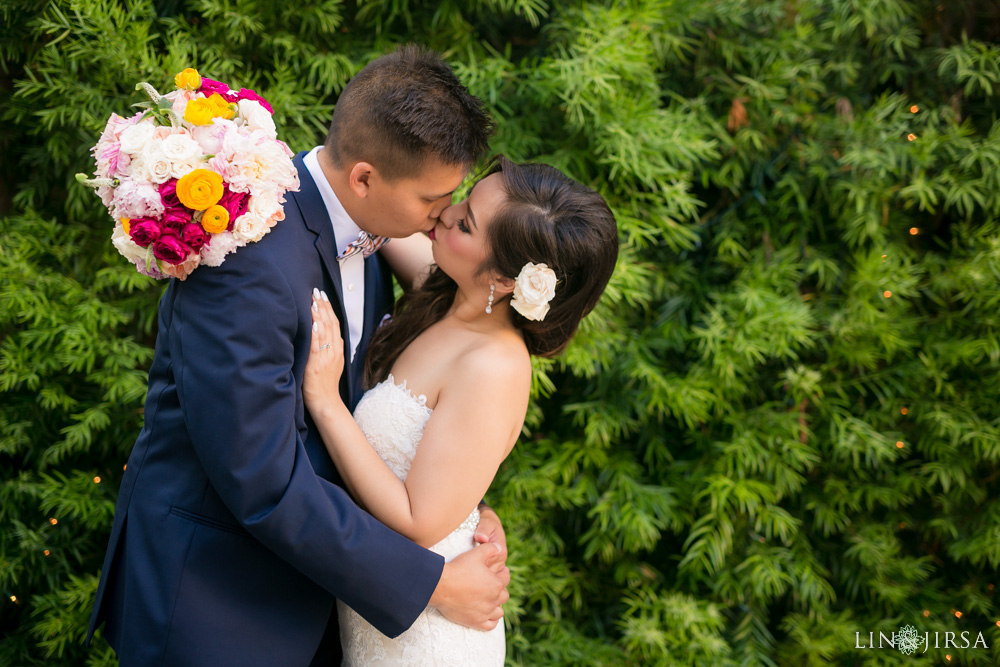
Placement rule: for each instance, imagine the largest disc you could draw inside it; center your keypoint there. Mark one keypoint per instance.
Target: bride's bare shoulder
(495, 362)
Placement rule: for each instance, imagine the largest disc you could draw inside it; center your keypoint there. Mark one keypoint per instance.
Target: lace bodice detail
(393, 420)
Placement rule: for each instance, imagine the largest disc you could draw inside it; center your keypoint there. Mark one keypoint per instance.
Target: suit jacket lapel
(317, 220)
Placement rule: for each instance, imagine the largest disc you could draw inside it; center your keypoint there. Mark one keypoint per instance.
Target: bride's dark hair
(545, 218)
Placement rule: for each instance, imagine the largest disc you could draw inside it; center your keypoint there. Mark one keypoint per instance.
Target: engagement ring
(325, 345)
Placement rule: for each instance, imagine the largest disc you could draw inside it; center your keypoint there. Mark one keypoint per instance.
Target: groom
(233, 535)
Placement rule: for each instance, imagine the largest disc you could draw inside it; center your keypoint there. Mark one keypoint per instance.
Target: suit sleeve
(232, 343)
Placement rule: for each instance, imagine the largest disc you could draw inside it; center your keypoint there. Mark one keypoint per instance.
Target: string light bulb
(914, 109)
(958, 614)
(97, 480)
(13, 598)
(948, 657)
(53, 521)
(46, 552)
(927, 612)
(914, 231)
(887, 294)
(903, 411)
(899, 444)
(911, 137)
(883, 257)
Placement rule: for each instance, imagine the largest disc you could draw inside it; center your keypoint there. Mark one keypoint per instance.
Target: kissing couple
(307, 485)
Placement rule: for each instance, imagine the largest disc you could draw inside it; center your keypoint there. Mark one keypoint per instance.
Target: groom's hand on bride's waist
(473, 587)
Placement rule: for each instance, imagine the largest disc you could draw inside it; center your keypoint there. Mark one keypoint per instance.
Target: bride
(515, 268)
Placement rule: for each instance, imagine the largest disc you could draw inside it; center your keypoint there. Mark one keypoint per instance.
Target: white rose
(135, 138)
(129, 249)
(249, 228)
(179, 169)
(534, 288)
(257, 118)
(137, 168)
(180, 147)
(264, 204)
(156, 163)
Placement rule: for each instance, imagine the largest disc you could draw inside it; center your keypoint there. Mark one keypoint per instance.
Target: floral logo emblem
(907, 640)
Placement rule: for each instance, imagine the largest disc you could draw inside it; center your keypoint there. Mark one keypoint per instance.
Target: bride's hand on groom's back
(491, 530)
(321, 381)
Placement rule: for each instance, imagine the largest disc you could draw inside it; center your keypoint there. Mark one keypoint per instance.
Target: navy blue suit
(232, 535)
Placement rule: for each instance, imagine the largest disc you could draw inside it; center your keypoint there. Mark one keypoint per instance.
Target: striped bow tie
(366, 243)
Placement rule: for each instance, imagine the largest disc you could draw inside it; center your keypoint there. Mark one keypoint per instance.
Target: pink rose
(208, 86)
(144, 231)
(168, 193)
(194, 236)
(247, 94)
(176, 218)
(234, 202)
(170, 249)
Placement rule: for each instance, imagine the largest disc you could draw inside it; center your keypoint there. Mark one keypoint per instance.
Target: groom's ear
(360, 179)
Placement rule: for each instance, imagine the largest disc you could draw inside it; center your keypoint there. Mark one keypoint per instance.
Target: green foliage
(777, 429)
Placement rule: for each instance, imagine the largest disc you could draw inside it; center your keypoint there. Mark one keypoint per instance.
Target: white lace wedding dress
(393, 420)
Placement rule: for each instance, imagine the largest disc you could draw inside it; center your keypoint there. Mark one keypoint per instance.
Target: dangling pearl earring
(489, 306)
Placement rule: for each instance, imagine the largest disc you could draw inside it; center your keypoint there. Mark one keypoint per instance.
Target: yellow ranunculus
(220, 107)
(203, 110)
(189, 79)
(215, 219)
(125, 224)
(199, 112)
(200, 189)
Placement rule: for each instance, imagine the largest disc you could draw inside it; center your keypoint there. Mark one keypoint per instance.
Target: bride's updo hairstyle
(546, 218)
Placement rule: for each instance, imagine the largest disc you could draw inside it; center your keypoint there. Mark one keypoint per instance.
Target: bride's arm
(410, 258)
(474, 425)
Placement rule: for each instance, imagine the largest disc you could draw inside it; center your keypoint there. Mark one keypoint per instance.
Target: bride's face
(458, 240)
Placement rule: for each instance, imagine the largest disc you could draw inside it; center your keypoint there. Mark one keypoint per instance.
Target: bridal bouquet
(196, 175)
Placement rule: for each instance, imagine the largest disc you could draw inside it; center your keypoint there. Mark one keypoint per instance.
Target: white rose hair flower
(533, 289)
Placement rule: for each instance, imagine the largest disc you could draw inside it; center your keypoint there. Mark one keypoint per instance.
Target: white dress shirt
(352, 269)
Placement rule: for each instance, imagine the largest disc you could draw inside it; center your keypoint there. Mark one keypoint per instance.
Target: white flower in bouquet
(157, 166)
(134, 139)
(136, 199)
(249, 228)
(180, 147)
(257, 118)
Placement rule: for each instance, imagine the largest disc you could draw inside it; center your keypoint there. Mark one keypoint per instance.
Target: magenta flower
(168, 194)
(144, 231)
(208, 86)
(247, 94)
(234, 202)
(171, 249)
(176, 218)
(194, 236)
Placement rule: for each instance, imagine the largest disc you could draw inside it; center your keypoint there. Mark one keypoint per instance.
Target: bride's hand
(321, 382)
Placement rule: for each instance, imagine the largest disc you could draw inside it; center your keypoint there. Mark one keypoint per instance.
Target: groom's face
(405, 206)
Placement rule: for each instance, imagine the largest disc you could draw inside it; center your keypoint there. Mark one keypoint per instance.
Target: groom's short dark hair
(403, 108)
